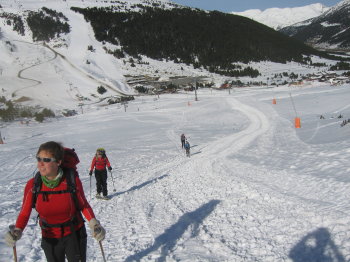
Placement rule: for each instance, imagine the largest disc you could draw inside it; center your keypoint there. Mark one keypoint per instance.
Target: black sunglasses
(45, 159)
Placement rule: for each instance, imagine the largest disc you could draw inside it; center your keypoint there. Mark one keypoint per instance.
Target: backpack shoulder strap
(70, 178)
(36, 187)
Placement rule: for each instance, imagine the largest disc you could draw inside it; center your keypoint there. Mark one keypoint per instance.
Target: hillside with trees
(212, 40)
(47, 24)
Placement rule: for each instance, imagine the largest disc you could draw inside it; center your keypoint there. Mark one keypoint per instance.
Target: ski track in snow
(212, 236)
(234, 199)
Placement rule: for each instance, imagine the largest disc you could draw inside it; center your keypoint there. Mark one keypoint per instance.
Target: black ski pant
(56, 249)
(182, 143)
(101, 181)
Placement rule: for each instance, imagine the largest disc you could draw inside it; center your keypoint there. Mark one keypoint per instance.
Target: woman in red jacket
(99, 163)
(62, 225)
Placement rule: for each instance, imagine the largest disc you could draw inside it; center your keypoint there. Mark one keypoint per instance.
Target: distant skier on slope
(99, 163)
(183, 139)
(187, 147)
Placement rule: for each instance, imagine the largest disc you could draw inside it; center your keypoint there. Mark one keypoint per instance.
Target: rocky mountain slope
(329, 31)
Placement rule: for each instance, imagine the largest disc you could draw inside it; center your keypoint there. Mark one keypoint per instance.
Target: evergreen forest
(212, 40)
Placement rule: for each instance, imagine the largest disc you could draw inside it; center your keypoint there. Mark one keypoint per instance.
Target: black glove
(110, 168)
(90, 173)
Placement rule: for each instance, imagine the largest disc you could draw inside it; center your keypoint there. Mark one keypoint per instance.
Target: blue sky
(242, 5)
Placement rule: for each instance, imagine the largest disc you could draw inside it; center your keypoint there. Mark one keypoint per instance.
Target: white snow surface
(278, 18)
(254, 189)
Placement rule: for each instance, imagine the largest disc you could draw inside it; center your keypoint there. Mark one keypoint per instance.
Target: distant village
(153, 85)
(332, 78)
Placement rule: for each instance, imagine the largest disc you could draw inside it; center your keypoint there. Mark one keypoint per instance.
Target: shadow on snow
(171, 235)
(139, 186)
(316, 246)
(195, 153)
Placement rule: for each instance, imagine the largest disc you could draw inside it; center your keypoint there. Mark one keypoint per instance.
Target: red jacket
(58, 208)
(99, 163)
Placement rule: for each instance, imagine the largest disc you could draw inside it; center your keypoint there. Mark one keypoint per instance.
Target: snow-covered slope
(254, 189)
(278, 18)
(67, 74)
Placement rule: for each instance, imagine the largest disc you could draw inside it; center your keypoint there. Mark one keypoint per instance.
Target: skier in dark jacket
(99, 163)
(183, 139)
(187, 147)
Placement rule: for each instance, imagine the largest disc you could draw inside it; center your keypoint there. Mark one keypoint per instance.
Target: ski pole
(113, 181)
(103, 253)
(12, 227)
(14, 254)
(90, 187)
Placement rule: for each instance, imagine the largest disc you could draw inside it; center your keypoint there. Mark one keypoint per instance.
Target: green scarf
(55, 182)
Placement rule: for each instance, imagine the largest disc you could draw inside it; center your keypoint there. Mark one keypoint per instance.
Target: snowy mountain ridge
(278, 18)
(327, 31)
